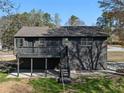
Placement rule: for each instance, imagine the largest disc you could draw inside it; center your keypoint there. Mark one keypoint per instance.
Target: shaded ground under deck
(38, 63)
(41, 66)
(36, 73)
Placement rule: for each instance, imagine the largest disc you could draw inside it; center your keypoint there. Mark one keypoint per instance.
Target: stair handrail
(64, 54)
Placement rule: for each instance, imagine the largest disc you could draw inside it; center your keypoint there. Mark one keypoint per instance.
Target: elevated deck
(38, 52)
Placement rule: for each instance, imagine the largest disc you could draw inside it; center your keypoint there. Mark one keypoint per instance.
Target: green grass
(87, 85)
(2, 77)
(97, 84)
(46, 86)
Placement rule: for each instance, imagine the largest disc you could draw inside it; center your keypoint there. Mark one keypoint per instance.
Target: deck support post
(18, 67)
(45, 67)
(31, 66)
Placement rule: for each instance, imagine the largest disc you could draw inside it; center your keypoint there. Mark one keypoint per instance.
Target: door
(31, 43)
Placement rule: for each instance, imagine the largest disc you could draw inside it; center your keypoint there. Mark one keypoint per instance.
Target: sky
(86, 10)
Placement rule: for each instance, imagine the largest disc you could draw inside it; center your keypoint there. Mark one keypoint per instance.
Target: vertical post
(17, 67)
(68, 63)
(14, 45)
(45, 67)
(60, 69)
(31, 66)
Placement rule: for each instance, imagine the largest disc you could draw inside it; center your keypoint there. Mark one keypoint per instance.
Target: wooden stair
(64, 76)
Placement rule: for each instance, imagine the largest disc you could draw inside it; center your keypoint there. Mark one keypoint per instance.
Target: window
(42, 42)
(19, 42)
(31, 42)
(86, 41)
(52, 42)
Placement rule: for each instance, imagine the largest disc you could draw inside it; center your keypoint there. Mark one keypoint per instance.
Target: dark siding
(84, 53)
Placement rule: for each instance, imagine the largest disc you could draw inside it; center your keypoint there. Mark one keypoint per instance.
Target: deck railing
(38, 51)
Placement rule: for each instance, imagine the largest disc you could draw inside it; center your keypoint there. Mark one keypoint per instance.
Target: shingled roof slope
(32, 31)
(64, 31)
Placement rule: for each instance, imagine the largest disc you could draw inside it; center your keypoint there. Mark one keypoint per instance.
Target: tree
(106, 22)
(6, 6)
(57, 20)
(75, 21)
(36, 18)
(47, 20)
(112, 16)
(112, 5)
(12, 23)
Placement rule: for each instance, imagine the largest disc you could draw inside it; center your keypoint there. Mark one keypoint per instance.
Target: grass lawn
(115, 56)
(99, 84)
(2, 77)
(86, 85)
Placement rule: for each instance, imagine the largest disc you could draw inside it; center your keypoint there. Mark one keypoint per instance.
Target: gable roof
(31, 31)
(64, 31)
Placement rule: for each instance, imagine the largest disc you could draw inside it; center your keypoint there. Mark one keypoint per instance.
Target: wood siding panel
(81, 55)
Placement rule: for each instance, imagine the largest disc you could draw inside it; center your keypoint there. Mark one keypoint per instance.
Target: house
(67, 48)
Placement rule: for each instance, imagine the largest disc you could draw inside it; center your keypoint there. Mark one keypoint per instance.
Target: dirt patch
(16, 87)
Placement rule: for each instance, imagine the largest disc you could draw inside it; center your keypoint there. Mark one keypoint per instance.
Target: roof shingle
(64, 31)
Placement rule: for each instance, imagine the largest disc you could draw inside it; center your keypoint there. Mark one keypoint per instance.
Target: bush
(117, 43)
(7, 66)
(120, 70)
